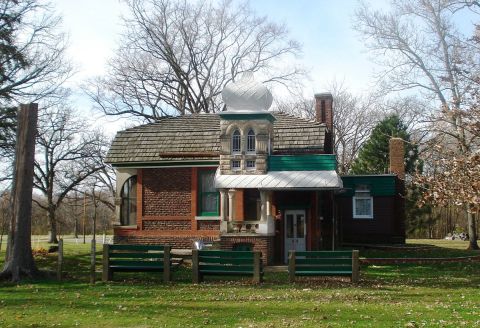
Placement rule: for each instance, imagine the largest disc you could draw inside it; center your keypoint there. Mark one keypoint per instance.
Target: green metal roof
(380, 185)
(315, 162)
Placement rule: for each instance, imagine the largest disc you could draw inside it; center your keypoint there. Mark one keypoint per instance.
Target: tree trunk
(472, 232)
(20, 263)
(52, 234)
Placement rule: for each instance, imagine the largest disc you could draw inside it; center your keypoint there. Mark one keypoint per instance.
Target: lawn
(406, 295)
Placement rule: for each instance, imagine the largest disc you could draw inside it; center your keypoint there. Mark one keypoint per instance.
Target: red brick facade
(167, 192)
(263, 244)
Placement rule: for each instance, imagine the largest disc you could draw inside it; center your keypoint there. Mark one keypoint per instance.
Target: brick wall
(174, 242)
(167, 192)
(397, 157)
(167, 225)
(263, 244)
(208, 225)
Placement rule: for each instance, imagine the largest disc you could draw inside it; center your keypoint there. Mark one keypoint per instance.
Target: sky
(332, 50)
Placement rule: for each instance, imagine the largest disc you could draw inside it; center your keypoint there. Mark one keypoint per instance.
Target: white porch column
(269, 203)
(223, 204)
(263, 208)
(231, 204)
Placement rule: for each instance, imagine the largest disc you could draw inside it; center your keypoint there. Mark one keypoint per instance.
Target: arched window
(128, 208)
(236, 144)
(251, 141)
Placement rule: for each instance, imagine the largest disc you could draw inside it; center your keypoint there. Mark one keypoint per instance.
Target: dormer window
(251, 141)
(236, 142)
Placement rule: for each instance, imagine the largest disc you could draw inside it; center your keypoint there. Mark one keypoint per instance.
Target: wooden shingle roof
(196, 137)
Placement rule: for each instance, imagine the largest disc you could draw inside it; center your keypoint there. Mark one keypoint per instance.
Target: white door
(295, 231)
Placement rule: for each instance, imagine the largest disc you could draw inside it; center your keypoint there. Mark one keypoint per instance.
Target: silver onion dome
(246, 95)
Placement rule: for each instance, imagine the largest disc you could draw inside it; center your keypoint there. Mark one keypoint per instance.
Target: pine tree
(374, 154)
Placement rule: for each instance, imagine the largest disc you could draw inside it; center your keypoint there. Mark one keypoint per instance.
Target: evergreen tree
(373, 158)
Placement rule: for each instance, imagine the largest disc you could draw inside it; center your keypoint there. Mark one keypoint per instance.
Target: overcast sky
(331, 48)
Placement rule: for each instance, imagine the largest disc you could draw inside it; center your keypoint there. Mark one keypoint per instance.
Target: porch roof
(278, 180)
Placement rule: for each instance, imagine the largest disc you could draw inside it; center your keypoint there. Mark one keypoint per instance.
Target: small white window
(362, 203)
(250, 164)
(236, 142)
(251, 141)
(235, 165)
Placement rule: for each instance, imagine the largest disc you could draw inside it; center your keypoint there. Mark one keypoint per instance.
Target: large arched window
(128, 210)
(251, 141)
(236, 142)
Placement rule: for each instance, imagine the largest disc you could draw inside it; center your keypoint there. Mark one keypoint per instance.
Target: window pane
(362, 206)
(300, 226)
(132, 215)
(251, 141)
(128, 208)
(207, 181)
(236, 164)
(236, 142)
(209, 202)
(289, 226)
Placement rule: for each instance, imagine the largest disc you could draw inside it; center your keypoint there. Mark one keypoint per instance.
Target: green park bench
(323, 263)
(223, 263)
(136, 258)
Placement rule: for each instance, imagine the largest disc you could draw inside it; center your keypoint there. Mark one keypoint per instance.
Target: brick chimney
(397, 157)
(324, 114)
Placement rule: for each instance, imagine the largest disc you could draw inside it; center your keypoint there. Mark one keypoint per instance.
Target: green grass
(406, 295)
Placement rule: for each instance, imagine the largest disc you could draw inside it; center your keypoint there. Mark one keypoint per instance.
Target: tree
(374, 154)
(421, 49)
(18, 258)
(32, 61)
(67, 155)
(175, 57)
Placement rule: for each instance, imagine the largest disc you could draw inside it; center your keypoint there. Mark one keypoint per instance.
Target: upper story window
(236, 142)
(128, 207)
(251, 141)
(362, 203)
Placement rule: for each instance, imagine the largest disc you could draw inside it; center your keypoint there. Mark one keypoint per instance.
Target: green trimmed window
(208, 196)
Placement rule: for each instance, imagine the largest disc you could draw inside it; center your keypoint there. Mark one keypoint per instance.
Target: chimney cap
(324, 95)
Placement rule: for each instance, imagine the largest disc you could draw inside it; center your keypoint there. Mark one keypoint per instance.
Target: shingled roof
(196, 137)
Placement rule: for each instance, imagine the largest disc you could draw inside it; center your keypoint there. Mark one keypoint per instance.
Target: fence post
(257, 277)
(60, 260)
(166, 264)
(291, 266)
(195, 267)
(355, 266)
(106, 274)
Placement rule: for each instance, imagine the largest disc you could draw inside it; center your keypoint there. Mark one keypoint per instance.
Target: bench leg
(257, 276)
(355, 267)
(166, 265)
(196, 277)
(291, 266)
(107, 273)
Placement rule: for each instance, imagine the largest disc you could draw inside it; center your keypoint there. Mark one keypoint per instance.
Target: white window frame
(248, 137)
(362, 193)
(251, 168)
(236, 135)
(236, 168)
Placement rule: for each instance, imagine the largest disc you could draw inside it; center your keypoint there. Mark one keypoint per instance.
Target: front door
(295, 231)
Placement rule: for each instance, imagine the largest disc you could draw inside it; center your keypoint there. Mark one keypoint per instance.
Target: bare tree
(32, 61)
(176, 56)
(66, 155)
(420, 49)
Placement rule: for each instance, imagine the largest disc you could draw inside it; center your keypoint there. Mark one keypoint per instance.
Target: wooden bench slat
(329, 261)
(227, 273)
(136, 263)
(207, 267)
(220, 260)
(227, 254)
(136, 269)
(324, 254)
(136, 255)
(323, 268)
(137, 247)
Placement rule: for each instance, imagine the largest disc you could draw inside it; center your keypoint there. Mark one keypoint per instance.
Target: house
(249, 179)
